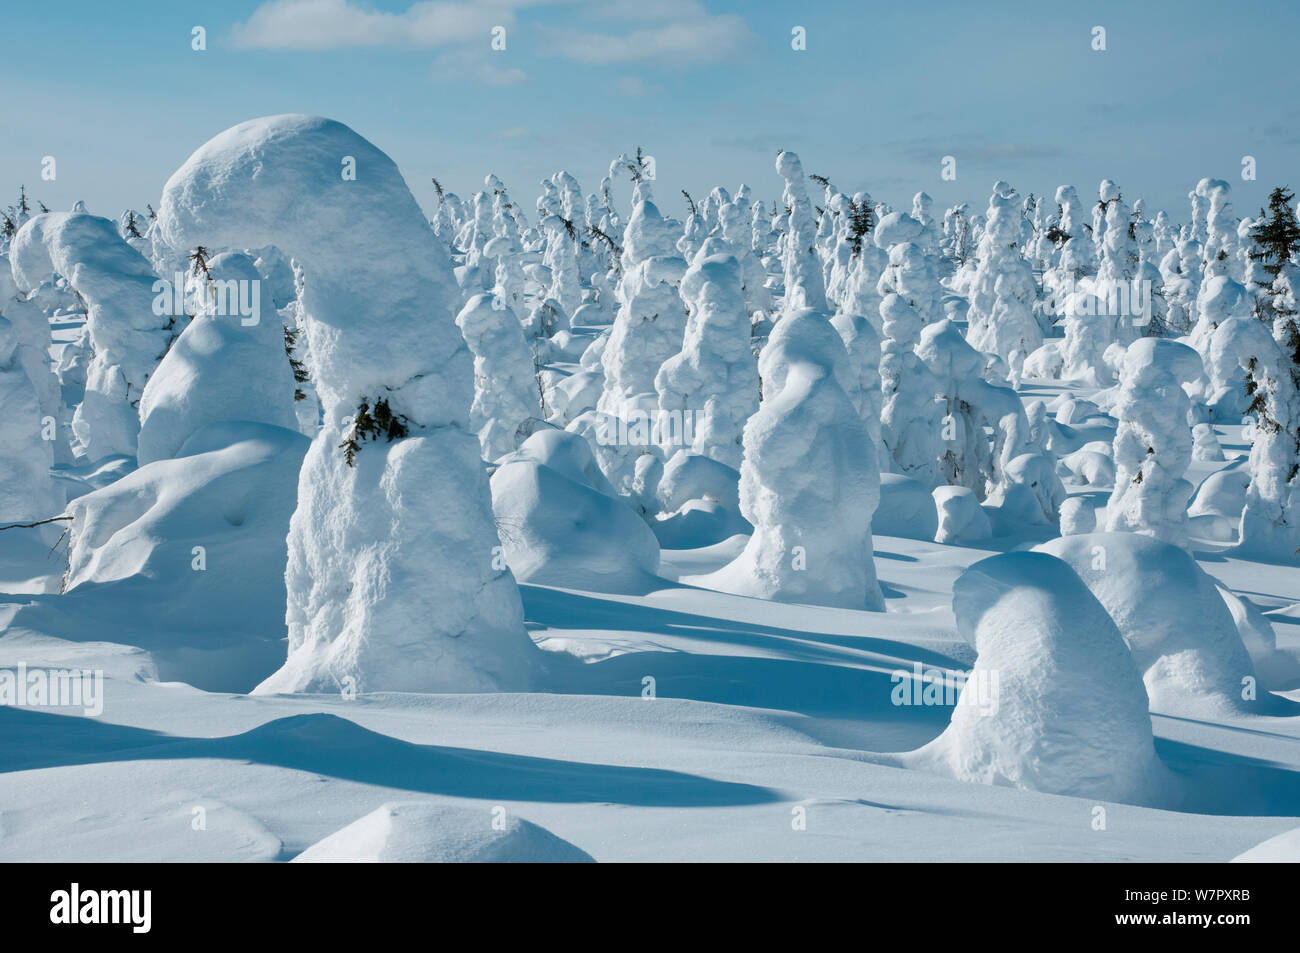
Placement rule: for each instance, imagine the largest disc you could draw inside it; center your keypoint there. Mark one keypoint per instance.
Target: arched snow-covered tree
(128, 334)
(396, 384)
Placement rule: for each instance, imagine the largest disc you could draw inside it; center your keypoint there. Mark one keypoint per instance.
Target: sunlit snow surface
(767, 738)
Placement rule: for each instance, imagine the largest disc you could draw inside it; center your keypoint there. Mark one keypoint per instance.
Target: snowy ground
(758, 744)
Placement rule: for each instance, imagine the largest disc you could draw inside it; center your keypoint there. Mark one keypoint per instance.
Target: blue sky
(711, 88)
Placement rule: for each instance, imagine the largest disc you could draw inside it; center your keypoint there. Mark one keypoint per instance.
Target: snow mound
(1179, 629)
(1282, 849)
(699, 502)
(906, 510)
(961, 518)
(1216, 508)
(199, 540)
(222, 367)
(1078, 516)
(1090, 467)
(561, 522)
(423, 832)
(1029, 494)
(1054, 702)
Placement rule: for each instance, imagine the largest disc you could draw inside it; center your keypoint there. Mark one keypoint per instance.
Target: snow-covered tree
(714, 379)
(1270, 522)
(27, 493)
(808, 483)
(651, 320)
(561, 258)
(505, 386)
(1221, 228)
(972, 404)
(863, 381)
(804, 284)
(395, 379)
(911, 419)
(1002, 300)
(128, 336)
(1153, 442)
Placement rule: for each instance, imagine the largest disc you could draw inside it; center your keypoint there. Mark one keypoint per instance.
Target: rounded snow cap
(896, 228)
(1108, 191)
(498, 246)
(1162, 354)
(788, 165)
(1216, 185)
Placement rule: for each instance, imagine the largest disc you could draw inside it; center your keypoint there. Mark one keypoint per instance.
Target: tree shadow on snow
(335, 747)
(806, 672)
(1222, 783)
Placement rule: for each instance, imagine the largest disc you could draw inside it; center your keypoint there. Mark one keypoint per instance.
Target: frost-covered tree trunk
(1181, 276)
(1087, 335)
(1221, 228)
(128, 334)
(910, 271)
(393, 581)
(1223, 303)
(648, 330)
(1077, 255)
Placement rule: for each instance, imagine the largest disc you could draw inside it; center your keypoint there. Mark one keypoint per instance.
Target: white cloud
(634, 86)
(339, 24)
(673, 31)
(664, 30)
(476, 66)
(690, 35)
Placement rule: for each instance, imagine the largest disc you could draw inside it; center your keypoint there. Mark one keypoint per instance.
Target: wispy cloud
(339, 24)
(472, 64)
(679, 31)
(933, 148)
(611, 31)
(634, 86)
